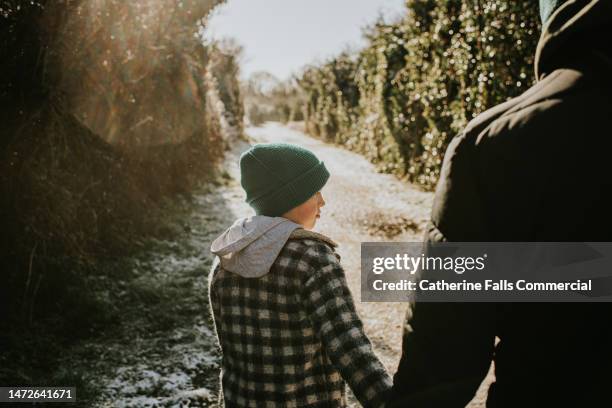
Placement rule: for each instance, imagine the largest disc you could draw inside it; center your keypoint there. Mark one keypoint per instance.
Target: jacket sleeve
(330, 306)
(447, 347)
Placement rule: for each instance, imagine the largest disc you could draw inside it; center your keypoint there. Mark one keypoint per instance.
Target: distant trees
(419, 81)
(269, 98)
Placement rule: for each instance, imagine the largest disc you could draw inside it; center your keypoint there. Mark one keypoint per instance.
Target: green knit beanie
(278, 177)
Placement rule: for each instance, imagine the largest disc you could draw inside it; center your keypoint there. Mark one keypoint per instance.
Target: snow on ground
(180, 368)
(362, 205)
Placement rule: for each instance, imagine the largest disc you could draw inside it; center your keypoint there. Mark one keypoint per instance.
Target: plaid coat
(292, 337)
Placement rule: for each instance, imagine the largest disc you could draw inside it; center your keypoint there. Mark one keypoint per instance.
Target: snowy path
(362, 206)
(177, 363)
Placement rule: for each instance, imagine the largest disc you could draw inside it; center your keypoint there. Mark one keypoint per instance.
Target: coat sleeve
(447, 347)
(331, 309)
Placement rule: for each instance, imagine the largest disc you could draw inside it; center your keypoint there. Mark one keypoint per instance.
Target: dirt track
(174, 361)
(362, 205)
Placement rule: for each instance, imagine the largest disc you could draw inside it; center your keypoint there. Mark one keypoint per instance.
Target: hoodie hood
(547, 7)
(577, 26)
(251, 245)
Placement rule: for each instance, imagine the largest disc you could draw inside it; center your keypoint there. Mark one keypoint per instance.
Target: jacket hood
(251, 245)
(576, 26)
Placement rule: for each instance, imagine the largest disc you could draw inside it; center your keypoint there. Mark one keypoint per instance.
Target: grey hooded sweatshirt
(251, 245)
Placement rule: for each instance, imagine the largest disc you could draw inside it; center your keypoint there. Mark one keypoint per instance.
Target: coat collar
(575, 20)
(301, 233)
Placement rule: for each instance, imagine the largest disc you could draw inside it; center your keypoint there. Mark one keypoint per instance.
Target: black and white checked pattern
(292, 337)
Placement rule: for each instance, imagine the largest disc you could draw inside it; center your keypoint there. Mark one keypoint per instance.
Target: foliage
(333, 96)
(107, 108)
(225, 71)
(420, 80)
(268, 98)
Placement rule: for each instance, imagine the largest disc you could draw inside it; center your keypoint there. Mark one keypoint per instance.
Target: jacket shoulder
(552, 101)
(311, 247)
(510, 145)
(311, 238)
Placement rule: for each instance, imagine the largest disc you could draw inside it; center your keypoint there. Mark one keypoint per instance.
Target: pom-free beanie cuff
(279, 200)
(280, 176)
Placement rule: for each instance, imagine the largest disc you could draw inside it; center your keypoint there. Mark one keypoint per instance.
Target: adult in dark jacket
(536, 168)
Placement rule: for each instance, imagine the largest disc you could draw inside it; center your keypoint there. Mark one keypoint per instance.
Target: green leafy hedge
(419, 81)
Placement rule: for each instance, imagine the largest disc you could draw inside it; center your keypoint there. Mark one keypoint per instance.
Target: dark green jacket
(536, 168)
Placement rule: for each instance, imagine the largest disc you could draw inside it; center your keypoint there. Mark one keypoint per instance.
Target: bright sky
(281, 36)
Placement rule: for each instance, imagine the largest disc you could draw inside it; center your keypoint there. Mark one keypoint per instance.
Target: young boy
(283, 313)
